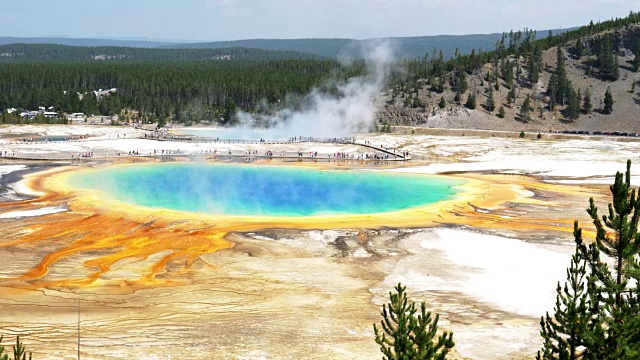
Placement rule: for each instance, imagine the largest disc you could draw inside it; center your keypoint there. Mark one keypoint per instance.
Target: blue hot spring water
(252, 190)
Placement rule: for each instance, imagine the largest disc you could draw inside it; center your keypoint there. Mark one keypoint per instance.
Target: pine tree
(472, 63)
(586, 102)
(601, 323)
(19, 351)
(525, 108)
(608, 60)
(491, 103)
(608, 102)
(404, 336)
(471, 102)
(507, 73)
(564, 333)
(442, 104)
(579, 99)
(460, 80)
(631, 337)
(625, 244)
(617, 237)
(573, 104)
(229, 114)
(579, 48)
(3, 356)
(511, 96)
(559, 83)
(439, 87)
(501, 112)
(534, 64)
(551, 104)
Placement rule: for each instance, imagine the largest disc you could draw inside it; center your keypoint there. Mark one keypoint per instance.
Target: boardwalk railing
(191, 139)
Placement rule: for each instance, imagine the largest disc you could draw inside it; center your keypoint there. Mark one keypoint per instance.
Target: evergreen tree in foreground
(404, 336)
(564, 333)
(19, 351)
(603, 324)
(617, 237)
(631, 337)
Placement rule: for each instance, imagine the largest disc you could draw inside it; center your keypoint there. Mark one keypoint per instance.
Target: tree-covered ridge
(526, 45)
(22, 53)
(182, 90)
(519, 69)
(321, 47)
(405, 47)
(84, 41)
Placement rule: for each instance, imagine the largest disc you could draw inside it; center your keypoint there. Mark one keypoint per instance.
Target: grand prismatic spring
(181, 257)
(265, 190)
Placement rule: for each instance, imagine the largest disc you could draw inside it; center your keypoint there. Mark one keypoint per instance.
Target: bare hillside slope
(398, 105)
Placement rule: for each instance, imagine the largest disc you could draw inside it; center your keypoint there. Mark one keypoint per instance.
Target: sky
(213, 20)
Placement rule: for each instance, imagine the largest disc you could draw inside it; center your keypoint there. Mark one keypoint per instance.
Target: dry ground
(308, 292)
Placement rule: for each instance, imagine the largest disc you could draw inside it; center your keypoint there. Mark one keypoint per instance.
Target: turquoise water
(265, 190)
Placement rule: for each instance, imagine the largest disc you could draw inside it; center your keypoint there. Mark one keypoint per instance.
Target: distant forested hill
(406, 47)
(322, 47)
(24, 53)
(4, 40)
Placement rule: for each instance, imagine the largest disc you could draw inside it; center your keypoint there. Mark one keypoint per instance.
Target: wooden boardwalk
(382, 154)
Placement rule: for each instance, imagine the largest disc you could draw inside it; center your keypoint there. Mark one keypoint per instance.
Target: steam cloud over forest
(350, 110)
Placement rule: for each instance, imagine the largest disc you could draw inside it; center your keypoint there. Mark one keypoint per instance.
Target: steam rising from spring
(351, 110)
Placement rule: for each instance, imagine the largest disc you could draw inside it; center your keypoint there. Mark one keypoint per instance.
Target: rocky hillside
(590, 62)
